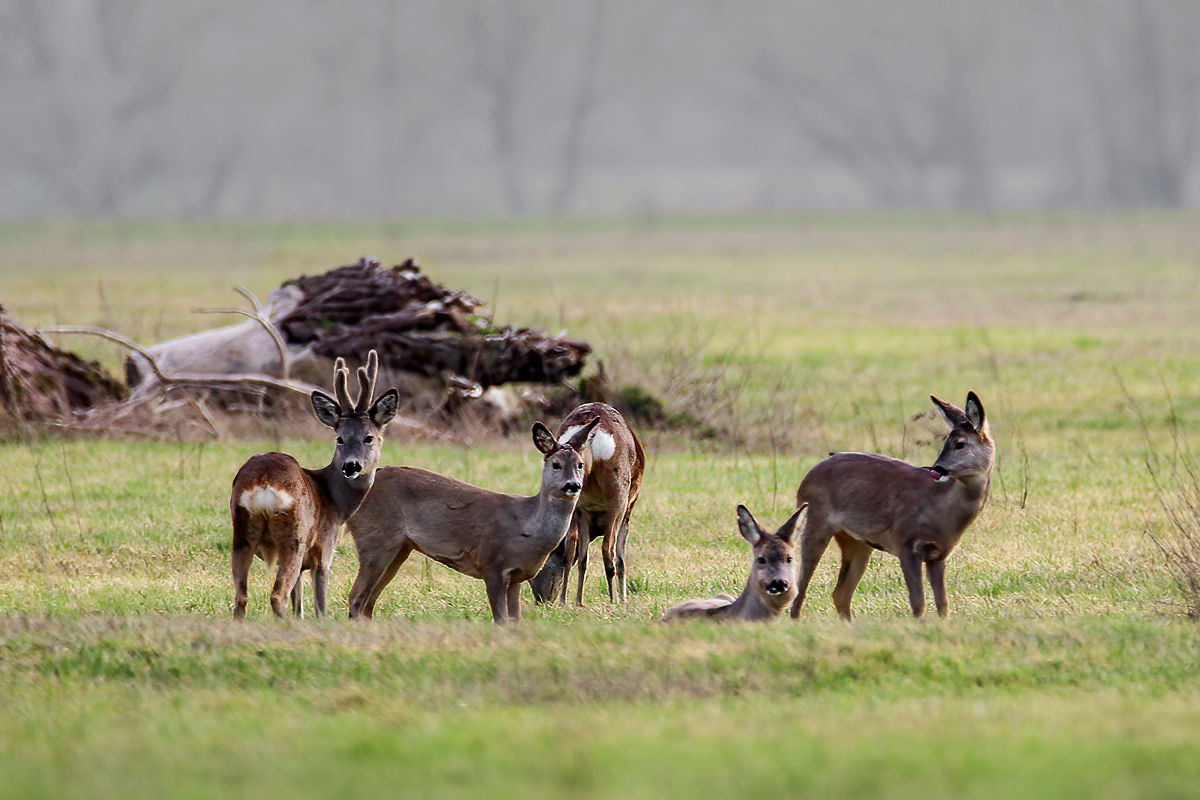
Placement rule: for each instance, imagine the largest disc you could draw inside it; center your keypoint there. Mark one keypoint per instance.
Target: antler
(366, 383)
(341, 377)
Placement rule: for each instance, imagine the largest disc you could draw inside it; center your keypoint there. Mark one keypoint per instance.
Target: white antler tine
(341, 377)
(366, 382)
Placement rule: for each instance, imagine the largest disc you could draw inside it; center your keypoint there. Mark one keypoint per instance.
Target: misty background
(131, 109)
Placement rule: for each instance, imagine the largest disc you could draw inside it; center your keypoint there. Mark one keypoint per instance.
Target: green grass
(1066, 667)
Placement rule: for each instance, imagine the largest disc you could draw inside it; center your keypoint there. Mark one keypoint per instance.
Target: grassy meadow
(1068, 666)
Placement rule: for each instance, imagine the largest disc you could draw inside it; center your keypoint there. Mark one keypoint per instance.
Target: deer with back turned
(918, 514)
(771, 584)
(290, 516)
(613, 464)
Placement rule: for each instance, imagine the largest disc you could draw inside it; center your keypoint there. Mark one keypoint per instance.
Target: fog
(130, 109)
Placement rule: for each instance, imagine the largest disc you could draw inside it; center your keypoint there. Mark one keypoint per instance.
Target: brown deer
(918, 514)
(289, 515)
(612, 466)
(500, 538)
(772, 582)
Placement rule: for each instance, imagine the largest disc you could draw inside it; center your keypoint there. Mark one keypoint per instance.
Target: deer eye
(555, 465)
(762, 560)
(368, 439)
(340, 440)
(789, 559)
(959, 445)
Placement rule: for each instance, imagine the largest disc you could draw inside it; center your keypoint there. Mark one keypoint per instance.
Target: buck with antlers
(918, 514)
(772, 582)
(501, 539)
(612, 466)
(290, 516)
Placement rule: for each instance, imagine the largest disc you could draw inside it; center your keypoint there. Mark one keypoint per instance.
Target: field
(1068, 666)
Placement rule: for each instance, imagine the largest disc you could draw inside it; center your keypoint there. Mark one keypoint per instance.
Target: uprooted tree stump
(43, 385)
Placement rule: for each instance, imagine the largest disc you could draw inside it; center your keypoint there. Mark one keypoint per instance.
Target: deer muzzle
(352, 469)
(777, 586)
(572, 489)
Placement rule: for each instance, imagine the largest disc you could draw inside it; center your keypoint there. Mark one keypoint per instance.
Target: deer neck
(967, 497)
(346, 495)
(551, 516)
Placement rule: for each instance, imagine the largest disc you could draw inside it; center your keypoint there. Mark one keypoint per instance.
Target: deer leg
(608, 549)
(321, 572)
(514, 599)
(497, 595)
(287, 577)
(371, 568)
(937, 582)
(910, 565)
(813, 542)
(581, 569)
(570, 551)
(242, 556)
(855, 557)
(320, 584)
(297, 596)
(622, 537)
(385, 579)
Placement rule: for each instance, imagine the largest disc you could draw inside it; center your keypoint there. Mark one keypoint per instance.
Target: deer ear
(787, 530)
(326, 408)
(543, 439)
(747, 527)
(974, 411)
(383, 410)
(952, 413)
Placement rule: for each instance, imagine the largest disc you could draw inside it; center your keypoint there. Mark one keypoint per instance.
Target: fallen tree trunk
(421, 330)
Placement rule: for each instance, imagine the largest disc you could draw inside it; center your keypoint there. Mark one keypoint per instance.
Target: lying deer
(917, 514)
(772, 582)
(500, 538)
(289, 515)
(612, 467)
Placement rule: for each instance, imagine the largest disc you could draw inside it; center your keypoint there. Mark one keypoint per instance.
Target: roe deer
(917, 514)
(772, 581)
(291, 515)
(612, 467)
(500, 538)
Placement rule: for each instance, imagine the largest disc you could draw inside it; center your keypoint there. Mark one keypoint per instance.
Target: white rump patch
(603, 443)
(266, 500)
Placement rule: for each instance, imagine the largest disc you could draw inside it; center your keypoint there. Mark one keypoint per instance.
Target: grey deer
(290, 516)
(500, 538)
(612, 467)
(918, 514)
(770, 586)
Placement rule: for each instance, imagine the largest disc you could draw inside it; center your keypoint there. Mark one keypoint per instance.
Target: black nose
(777, 586)
(571, 488)
(351, 468)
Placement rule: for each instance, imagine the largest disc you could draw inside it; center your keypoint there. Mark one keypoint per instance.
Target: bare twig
(256, 314)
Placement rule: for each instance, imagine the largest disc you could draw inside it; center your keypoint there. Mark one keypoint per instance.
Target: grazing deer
(290, 515)
(500, 538)
(612, 467)
(917, 514)
(772, 581)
